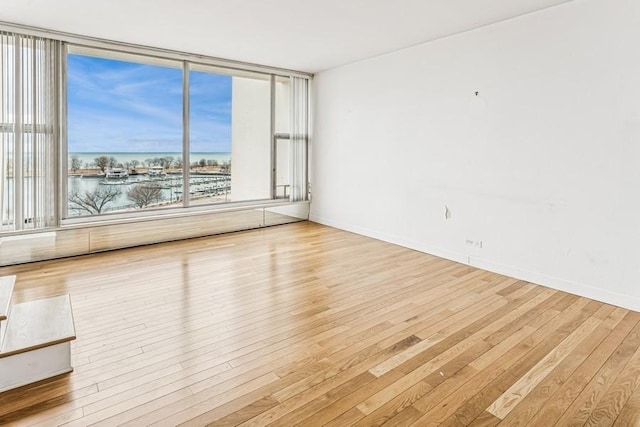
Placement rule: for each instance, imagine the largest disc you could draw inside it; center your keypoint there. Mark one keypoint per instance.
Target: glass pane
(230, 152)
(124, 134)
(282, 169)
(283, 105)
(283, 132)
(7, 192)
(209, 137)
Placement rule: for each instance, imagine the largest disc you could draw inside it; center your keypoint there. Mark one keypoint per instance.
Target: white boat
(117, 173)
(156, 171)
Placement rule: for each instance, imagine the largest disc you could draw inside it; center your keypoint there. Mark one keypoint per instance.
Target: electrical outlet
(474, 243)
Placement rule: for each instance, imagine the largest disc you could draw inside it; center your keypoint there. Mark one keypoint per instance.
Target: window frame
(188, 62)
(58, 185)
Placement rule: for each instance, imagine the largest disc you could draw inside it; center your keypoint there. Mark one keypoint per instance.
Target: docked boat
(117, 173)
(156, 171)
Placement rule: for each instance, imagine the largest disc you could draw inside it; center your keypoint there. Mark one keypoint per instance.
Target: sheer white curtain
(28, 117)
(299, 138)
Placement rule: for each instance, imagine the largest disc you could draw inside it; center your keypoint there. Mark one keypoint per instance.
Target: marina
(201, 186)
(155, 179)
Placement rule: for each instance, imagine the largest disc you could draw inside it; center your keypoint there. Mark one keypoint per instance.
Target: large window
(146, 133)
(124, 133)
(119, 132)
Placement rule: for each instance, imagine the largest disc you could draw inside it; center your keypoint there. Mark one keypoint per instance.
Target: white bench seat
(37, 342)
(6, 292)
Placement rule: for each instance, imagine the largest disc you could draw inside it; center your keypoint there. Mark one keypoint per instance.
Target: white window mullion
(274, 142)
(186, 160)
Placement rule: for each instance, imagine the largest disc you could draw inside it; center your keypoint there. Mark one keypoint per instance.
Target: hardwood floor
(306, 324)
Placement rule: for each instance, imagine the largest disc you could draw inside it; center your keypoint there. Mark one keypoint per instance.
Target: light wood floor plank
(308, 325)
(521, 388)
(542, 392)
(469, 401)
(582, 406)
(609, 407)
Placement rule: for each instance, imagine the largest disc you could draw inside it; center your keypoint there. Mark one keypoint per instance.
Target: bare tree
(102, 162)
(76, 163)
(113, 162)
(167, 161)
(94, 202)
(143, 195)
(134, 163)
(226, 167)
(160, 161)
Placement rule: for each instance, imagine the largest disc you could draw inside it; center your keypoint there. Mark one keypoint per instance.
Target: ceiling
(301, 35)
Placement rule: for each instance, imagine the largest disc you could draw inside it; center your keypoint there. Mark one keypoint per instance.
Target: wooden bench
(37, 341)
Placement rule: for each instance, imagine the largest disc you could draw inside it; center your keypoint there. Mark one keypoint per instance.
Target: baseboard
(580, 289)
(390, 238)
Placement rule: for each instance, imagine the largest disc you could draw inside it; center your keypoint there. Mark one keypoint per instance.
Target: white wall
(543, 166)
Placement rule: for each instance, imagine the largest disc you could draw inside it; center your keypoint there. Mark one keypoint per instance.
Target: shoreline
(97, 173)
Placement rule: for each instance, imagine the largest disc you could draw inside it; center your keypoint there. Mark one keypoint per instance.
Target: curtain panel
(28, 131)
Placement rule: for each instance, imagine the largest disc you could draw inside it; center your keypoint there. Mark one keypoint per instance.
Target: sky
(117, 106)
